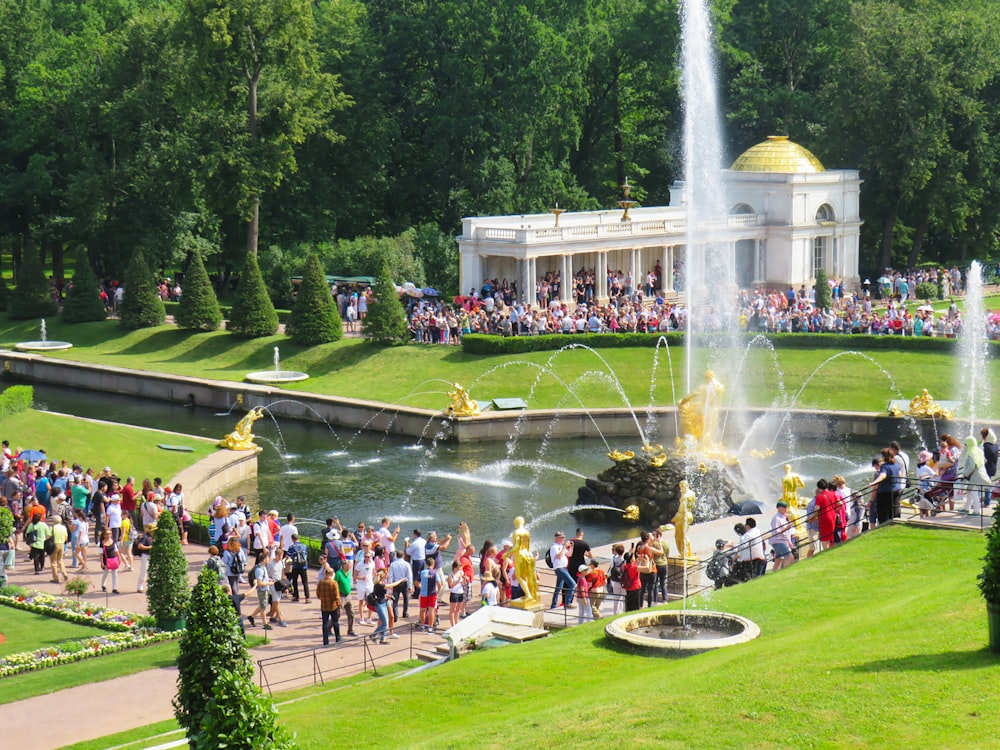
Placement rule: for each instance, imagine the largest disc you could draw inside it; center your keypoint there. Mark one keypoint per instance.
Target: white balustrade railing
(673, 226)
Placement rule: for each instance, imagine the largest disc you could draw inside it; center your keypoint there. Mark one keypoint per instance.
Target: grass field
(128, 450)
(878, 644)
(27, 631)
(421, 375)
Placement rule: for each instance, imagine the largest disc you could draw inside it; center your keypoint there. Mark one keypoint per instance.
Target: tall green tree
(83, 301)
(385, 323)
(168, 592)
(252, 315)
(253, 93)
(141, 306)
(199, 307)
(314, 319)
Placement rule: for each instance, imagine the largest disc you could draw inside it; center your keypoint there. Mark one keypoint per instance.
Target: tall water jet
(973, 365)
(710, 265)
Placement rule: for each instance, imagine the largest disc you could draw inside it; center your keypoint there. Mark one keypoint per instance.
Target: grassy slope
(865, 646)
(421, 376)
(27, 631)
(128, 450)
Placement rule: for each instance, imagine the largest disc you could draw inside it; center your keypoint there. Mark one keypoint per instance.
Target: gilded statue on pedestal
(791, 483)
(241, 439)
(683, 519)
(461, 405)
(698, 412)
(524, 566)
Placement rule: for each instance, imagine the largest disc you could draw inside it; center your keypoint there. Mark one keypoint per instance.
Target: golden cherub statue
(524, 566)
(791, 483)
(461, 405)
(241, 439)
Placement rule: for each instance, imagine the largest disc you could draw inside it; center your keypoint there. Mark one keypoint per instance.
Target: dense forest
(364, 130)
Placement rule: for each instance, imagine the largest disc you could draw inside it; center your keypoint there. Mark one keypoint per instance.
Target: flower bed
(129, 631)
(85, 648)
(82, 613)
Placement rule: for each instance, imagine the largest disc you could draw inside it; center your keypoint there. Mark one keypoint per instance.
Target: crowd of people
(888, 307)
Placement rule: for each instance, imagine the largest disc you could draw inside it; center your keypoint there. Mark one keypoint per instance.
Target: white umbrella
(925, 308)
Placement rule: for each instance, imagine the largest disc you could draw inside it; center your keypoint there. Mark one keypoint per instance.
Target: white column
(665, 266)
(529, 291)
(565, 278)
(602, 276)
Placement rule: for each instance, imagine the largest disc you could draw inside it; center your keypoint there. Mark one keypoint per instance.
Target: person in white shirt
(286, 531)
(364, 576)
(754, 543)
(388, 538)
(418, 556)
(262, 533)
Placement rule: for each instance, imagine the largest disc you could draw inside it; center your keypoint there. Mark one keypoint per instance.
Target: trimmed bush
(989, 579)
(83, 302)
(253, 314)
(199, 307)
(823, 295)
(14, 400)
(32, 295)
(315, 319)
(212, 645)
(927, 290)
(239, 715)
(385, 322)
(4, 294)
(141, 304)
(167, 593)
(478, 343)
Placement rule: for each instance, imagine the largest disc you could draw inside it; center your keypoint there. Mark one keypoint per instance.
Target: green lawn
(421, 375)
(128, 450)
(27, 631)
(878, 644)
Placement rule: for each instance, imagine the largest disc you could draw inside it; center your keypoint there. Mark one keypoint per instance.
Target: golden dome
(778, 154)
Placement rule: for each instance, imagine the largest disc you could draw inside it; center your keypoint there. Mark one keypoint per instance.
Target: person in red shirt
(826, 513)
(465, 560)
(631, 583)
(128, 498)
(598, 581)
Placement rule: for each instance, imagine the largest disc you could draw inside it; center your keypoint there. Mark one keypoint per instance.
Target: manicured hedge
(15, 399)
(171, 308)
(490, 345)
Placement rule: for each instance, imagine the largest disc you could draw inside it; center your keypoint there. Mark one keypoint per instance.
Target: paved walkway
(291, 660)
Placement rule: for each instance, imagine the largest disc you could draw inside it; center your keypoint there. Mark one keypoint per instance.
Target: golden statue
(657, 461)
(791, 483)
(461, 405)
(241, 439)
(524, 566)
(923, 406)
(631, 513)
(698, 412)
(683, 519)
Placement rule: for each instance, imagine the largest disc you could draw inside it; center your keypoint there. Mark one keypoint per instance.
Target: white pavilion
(789, 217)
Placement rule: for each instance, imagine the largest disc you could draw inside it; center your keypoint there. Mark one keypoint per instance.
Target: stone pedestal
(675, 575)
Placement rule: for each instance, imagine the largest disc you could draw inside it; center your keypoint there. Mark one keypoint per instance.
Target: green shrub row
(490, 345)
(15, 399)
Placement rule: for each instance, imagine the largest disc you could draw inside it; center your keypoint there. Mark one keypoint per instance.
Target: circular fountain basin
(276, 376)
(681, 633)
(42, 346)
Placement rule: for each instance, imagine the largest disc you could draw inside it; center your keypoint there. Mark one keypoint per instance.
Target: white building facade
(788, 217)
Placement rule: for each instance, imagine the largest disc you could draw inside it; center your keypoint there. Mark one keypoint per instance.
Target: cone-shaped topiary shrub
(199, 307)
(314, 318)
(141, 304)
(168, 592)
(253, 314)
(385, 322)
(83, 302)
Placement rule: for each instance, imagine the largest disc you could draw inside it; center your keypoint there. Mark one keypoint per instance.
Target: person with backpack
(720, 566)
(234, 560)
(615, 587)
(632, 583)
(140, 551)
(299, 555)
(35, 534)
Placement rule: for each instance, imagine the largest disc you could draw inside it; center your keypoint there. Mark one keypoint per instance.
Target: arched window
(825, 214)
(742, 208)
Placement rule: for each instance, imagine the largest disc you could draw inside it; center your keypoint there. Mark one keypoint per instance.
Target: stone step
(518, 634)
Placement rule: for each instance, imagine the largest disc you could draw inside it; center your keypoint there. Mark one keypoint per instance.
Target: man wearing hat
(782, 535)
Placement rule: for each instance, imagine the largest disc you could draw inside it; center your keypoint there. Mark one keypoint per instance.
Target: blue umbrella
(32, 456)
(430, 292)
